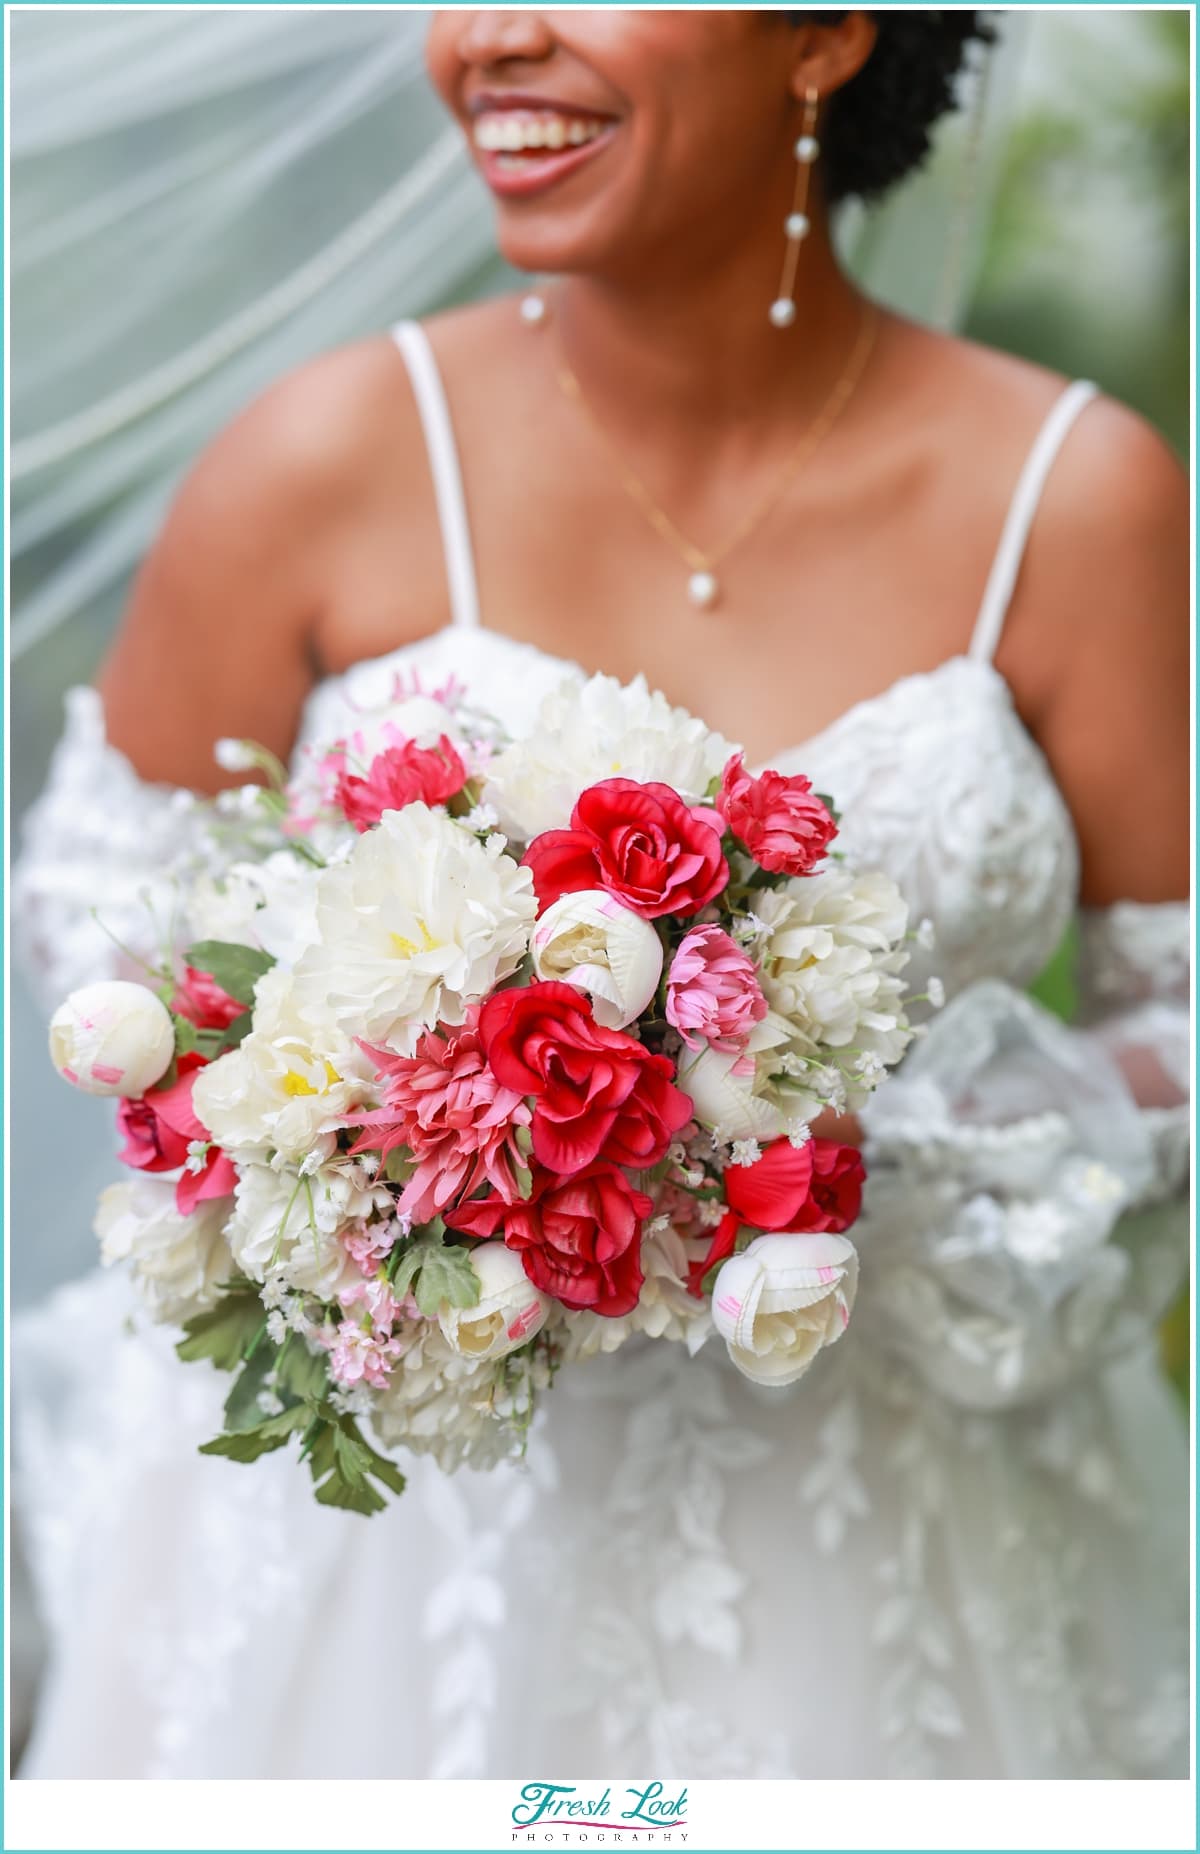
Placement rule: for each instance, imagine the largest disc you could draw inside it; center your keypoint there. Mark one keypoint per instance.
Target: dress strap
(1005, 567)
(430, 394)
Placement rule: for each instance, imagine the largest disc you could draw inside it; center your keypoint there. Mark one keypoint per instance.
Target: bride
(950, 587)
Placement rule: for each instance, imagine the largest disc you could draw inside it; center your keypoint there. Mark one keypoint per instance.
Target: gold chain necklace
(704, 588)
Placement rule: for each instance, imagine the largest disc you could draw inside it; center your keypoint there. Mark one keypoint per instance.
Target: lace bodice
(936, 779)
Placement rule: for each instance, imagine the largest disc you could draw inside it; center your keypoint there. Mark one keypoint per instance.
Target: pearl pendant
(533, 309)
(782, 312)
(703, 590)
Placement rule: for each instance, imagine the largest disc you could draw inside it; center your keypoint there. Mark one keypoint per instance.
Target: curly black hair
(879, 124)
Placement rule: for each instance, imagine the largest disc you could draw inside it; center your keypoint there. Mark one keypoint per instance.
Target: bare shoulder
(314, 435)
(1096, 642)
(221, 631)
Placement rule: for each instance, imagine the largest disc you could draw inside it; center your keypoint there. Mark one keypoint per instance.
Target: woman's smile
(525, 144)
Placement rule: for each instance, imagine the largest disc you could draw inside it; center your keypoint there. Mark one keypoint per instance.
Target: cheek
(441, 58)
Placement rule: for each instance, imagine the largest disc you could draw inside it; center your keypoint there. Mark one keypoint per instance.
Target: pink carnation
(400, 776)
(781, 821)
(713, 993)
(460, 1125)
(202, 1001)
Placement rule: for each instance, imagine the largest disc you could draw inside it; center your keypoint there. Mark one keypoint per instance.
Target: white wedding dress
(959, 1548)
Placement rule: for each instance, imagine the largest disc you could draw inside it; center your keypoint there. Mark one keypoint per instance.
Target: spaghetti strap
(413, 344)
(1005, 567)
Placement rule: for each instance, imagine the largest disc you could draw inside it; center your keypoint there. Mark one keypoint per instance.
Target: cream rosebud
(782, 1299)
(721, 1087)
(113, 1037)
(589, 940)
(509, 1310)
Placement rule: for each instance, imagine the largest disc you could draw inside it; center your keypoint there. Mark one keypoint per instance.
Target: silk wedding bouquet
(474, 1057)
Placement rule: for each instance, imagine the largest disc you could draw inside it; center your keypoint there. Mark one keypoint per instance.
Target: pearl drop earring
(797, 224)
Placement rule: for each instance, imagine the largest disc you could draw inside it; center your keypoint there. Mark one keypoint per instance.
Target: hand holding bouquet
(480, 1056)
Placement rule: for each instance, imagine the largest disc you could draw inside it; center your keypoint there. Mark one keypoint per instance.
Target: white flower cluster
(462, 1411)
(177, 1261)
(830, 953)
(420, 920)
(593, 730)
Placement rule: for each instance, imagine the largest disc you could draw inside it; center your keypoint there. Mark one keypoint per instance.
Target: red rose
(579, 1238)
(814, 1187)
(817, 1186)
(781, 821)
(202, 1001)
(397, 777)
(597, 1093)
(158, 1130)
(640, 842)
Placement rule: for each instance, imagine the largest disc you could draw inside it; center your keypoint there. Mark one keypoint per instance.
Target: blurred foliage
(1086, 263)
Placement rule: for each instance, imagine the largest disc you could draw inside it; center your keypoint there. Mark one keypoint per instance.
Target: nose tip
(488, 36)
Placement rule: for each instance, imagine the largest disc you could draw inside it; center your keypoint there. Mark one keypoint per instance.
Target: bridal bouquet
(476, 1057)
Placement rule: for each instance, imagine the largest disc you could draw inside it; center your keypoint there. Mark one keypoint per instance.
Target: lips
(526, 144)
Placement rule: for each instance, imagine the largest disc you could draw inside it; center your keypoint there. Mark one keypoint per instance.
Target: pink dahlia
(460, 1125)
(713, 993)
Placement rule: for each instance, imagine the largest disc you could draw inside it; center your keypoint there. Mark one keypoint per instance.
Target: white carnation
(280, 1088)
(272, 905)
(419, 921)
(600, 729)
(289, 1227)
(831, 964)
(177, 1261)
(440, 1404)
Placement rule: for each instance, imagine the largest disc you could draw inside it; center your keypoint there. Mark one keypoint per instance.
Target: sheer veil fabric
(961, 1548)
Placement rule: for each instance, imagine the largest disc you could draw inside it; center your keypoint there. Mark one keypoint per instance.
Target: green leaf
(242, 1408)
(398, 1167)
(224, 1333)
(302, 1374)
(524, 1178)
(343, 1465)
(186, 1035)
(435, 1272)
(263, 1439)
(237, 1030)
(359, 1497)
(236, 968)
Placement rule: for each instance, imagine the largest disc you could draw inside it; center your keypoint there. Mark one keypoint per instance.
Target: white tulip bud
(509, 1310)
(591, 941)
(782, 1299)
(723, 1097)
(114, 1037)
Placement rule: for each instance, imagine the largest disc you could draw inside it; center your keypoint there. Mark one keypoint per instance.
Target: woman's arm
(1097, 650)
(264, 547)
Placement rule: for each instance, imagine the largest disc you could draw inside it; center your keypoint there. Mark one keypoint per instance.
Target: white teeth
(509, 132)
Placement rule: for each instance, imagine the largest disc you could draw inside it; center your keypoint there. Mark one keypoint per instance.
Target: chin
(544, 242)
